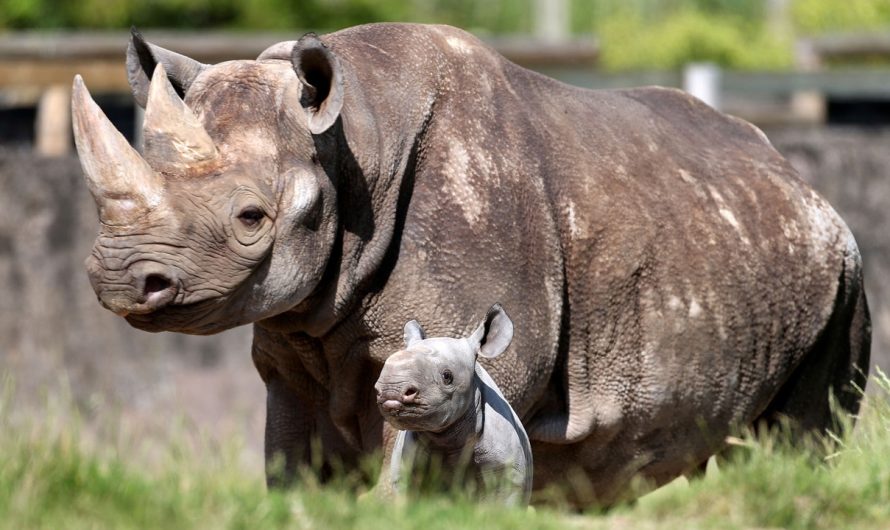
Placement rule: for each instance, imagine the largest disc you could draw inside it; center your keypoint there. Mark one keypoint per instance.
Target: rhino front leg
(288, 433)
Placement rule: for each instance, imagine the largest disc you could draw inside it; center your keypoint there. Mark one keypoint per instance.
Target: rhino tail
(829, 383)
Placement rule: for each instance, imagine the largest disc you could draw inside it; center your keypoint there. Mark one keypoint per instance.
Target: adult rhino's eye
(251, 216)
(447, 377)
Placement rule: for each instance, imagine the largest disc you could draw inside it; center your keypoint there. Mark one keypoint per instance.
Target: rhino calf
(449, 410)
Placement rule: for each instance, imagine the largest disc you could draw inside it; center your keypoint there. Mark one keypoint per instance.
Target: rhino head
(430, 385)
(228, 216)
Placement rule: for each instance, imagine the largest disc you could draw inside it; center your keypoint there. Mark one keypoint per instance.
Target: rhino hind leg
(835, 369)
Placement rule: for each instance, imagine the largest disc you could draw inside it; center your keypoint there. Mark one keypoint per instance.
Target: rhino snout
(142, 288)
(392, 398)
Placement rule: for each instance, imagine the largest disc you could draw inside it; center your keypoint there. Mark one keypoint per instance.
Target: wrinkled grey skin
(446, 407)
(669, 274)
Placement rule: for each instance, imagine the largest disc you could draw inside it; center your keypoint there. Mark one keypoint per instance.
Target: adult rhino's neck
(371, 154)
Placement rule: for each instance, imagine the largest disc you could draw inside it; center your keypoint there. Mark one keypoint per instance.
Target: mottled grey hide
(669, 274)
(448, 409)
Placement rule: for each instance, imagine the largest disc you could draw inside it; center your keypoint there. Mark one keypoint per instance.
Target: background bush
(634, 34)
(633, 41)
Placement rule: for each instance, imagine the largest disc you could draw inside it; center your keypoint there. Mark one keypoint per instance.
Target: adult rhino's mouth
(205, 316)
(198, 318)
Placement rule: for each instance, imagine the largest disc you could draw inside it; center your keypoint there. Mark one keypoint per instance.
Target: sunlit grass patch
(768, 483)
(54, 476)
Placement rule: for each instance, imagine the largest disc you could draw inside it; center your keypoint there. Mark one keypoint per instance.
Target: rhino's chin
(201, 318)
(154, 325)
(413, 418)
(403, 423)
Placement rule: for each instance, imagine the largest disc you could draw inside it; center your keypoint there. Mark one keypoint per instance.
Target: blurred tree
(819, 16)
(492, 16)
(634, 34)
(669, 34)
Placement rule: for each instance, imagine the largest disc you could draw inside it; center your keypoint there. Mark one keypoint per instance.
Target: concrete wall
(55, 338)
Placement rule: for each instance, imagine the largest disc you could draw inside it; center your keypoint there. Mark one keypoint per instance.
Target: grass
(53, 475)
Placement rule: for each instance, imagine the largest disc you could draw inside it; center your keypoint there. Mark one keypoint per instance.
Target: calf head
(430, 384)
(228, 216)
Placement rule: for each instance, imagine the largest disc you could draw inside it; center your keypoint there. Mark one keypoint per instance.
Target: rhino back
(700, 270)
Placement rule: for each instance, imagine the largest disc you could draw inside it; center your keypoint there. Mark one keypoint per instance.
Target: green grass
(53, 475)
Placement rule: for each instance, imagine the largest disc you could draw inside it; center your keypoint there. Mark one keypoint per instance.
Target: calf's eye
(447, 377)
(251, 216)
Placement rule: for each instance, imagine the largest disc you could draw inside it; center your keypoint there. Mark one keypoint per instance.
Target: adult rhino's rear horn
(175, 140)
(121, 181)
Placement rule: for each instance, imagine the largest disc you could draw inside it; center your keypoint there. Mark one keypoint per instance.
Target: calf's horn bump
(174, 137)
(121, 181)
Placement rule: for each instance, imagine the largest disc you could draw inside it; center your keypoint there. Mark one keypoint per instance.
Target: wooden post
(53, 126)
(809, 106)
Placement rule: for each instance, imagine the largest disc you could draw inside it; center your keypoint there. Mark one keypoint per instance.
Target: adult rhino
(669, 274)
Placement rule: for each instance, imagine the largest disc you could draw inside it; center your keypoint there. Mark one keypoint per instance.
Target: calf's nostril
(409, 394)
(156, 283)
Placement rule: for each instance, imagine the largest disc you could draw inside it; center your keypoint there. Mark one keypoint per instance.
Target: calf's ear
(494, 333)
(413, 333)
(319, 71)
(142, 57)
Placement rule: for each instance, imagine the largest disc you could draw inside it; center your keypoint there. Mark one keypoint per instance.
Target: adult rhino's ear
(142, 57)
(319, 71)
(413, 333)
(494, 333)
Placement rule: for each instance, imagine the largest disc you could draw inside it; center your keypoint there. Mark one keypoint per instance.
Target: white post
(702, 80)
(551, 22)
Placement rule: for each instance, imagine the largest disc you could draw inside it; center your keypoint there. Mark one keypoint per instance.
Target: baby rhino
(452, 415)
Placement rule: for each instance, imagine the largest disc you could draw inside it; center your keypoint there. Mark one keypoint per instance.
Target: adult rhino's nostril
(156, 283)
(158, 290)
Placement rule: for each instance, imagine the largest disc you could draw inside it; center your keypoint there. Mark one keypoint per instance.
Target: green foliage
(632, 41)
(497, 16)
(53, 476)
(659, 34)
(820, 16)
(635, 34)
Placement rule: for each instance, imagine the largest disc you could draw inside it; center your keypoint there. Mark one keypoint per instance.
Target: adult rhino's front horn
(175, 140)
(121, 181)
